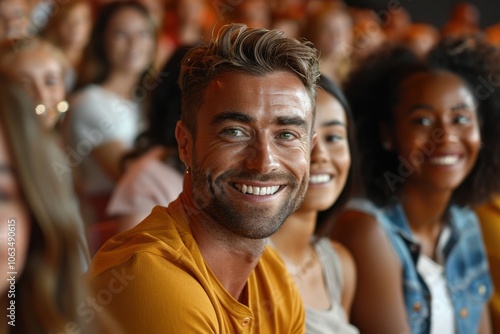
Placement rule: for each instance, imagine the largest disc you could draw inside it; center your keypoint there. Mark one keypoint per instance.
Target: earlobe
(314, 140)
(184, 143)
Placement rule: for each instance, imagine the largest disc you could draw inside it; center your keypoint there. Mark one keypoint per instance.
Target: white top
(99, 116)
(442, 314)
(333, 320)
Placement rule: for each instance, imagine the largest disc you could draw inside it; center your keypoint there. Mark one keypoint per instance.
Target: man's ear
(314, 140)
(184, 143)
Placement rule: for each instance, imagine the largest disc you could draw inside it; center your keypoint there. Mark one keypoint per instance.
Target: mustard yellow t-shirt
(489, 217)
(153, 279)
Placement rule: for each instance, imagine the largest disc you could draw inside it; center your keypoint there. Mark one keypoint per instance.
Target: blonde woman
(42, 238)
(41, 68)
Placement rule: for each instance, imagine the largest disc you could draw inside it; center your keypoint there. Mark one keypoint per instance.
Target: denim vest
(466, 267)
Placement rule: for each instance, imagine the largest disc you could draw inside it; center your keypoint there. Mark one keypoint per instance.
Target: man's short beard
(247, 221)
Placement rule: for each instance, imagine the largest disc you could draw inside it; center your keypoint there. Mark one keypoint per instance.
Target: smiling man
(201, 265)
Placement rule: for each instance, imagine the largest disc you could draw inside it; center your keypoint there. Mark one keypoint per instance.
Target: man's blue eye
(286, 135)
(233, 132)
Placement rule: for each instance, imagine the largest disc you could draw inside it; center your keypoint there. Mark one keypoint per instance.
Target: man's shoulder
(147, 293)
(163, 234)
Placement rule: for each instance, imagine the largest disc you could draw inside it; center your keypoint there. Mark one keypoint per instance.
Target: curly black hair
(373, 92)
(478, 63)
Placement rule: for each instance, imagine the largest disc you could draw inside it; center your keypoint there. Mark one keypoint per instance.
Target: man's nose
(262, 156)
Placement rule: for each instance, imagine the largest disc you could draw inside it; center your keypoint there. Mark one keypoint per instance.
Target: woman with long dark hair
(107, 113)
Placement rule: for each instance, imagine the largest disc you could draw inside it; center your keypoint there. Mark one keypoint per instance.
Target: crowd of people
(251, 166)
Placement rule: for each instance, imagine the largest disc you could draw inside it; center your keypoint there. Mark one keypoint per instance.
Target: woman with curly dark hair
(429, 144)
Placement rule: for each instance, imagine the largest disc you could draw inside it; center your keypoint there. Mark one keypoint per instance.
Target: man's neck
(230, 257)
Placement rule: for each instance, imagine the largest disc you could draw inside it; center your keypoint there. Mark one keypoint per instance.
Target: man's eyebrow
(231, 116)
(292, 120)
(245, 118)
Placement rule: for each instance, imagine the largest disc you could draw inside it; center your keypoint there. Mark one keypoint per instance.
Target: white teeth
(257, 191)
(320, 178)
(445, 160)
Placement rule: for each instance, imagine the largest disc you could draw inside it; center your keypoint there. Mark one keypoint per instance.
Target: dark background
(434, 11)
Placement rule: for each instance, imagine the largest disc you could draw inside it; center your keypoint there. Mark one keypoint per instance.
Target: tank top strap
(332, 269)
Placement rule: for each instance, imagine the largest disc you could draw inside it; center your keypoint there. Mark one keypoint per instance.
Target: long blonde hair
(51, 287)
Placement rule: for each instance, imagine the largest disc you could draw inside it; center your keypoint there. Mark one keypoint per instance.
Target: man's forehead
(280, 88)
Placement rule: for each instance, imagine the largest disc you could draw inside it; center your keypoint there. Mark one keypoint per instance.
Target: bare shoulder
(355, 228)
(378, 274)
(348, 274)
(364, 237)
(344, 255)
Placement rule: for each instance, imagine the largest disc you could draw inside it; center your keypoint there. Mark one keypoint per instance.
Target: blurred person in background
(108, 110)
(395, 23)
(69, 29)
(41, 211)
(165, 44)
(154, 174)
(492, 34)
(287, 23)
(421, 38)
(41, 68)
(15, 19)
(368, 35)
(193, 21)
(489, 218)
(429, 149)
(253, 13)
(329, 28)
(463, 20)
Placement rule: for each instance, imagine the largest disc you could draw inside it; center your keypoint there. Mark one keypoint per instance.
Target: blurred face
(42, 75)
(420, 39)
(129, 41)
(156, 9)
(368, 36)
(397, 24)
(330, 157)
(15, 222)
(465, 13)
(436, 130)
(14, 19)
(254, 13)
(335, 35)
(191, 12)
(250, 159)
(74, 30)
